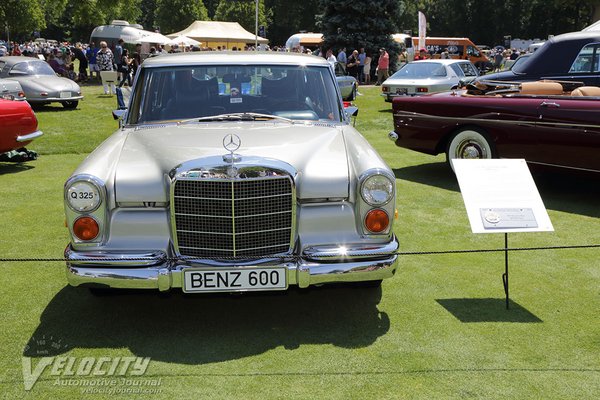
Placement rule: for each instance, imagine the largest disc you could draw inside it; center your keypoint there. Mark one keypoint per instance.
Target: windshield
(419, 69)
(33, 68)
(178, 93)
(519, 63)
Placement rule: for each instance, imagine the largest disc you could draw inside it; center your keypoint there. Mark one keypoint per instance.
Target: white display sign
(500, 196)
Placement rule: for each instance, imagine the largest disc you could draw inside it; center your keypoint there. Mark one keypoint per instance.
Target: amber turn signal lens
(377, 221)
(86, 228)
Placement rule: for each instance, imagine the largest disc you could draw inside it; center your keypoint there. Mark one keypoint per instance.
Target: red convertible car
(548, 123)
(18, 125)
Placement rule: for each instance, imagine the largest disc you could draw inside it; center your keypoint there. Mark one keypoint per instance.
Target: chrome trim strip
(29, 136)
(129, 259)
(54, 99)
(465, 120)
(350, 251)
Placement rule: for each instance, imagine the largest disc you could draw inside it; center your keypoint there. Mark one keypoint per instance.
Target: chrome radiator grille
(233, 218)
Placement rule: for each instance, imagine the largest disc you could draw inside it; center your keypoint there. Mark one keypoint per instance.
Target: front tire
(470, 143)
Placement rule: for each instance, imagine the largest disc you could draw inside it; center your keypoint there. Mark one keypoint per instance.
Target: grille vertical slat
(242, 217)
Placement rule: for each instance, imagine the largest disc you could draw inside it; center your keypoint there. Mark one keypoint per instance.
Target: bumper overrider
(155, 270)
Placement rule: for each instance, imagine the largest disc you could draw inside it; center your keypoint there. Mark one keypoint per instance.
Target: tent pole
(256, 29)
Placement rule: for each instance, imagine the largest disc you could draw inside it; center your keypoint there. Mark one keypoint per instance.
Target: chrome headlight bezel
(84, 194)
(377, 189)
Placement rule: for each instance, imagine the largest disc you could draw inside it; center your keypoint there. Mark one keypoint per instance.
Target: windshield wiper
(246, 116)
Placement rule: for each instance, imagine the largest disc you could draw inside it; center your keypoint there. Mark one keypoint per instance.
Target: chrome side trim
(470, 120)
(29, 136)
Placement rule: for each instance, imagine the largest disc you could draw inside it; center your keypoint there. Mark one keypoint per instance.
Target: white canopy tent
(217, 33)
(129, 33)
(183, 40)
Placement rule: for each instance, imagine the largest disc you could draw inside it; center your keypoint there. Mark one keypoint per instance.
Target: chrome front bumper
(316, 266)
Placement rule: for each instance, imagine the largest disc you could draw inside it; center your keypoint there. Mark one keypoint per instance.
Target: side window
(457, 70)
(472, 51)
(587, 59)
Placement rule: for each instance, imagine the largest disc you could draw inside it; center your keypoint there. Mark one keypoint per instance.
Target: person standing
(383, 66)
(118, 56)
(83, 62)
(331, 58)
(105, 61)
(341, 57)
(125, 68)
(361, 65)
(352, 64)
(136, 60)
(91, 56)
(367, 69)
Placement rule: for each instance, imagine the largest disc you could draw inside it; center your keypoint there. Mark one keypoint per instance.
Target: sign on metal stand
(500, 196)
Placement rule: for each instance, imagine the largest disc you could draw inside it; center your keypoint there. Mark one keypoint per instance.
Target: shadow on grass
(487, 310)
(387, 110)
(52, 108)
(210, 328)
(571, 193)
(13, 168)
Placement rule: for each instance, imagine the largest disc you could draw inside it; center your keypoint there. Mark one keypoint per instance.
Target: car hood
(317, 153)
(32, 85)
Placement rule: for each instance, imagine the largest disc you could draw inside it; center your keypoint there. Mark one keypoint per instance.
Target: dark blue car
(568, 57)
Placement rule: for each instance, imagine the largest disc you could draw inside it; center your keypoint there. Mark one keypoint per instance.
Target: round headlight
(83, 196)
(377, 190)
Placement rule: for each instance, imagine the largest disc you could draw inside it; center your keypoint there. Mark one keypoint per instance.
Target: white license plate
(65, 95)
(234, 279)
(401, 91)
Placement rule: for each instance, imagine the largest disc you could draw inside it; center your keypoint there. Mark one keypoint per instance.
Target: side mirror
(120, 115)
(351, 111)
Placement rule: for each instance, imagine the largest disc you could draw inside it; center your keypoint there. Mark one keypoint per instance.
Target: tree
(19, 18)
(243, 12)
(361, 23)
(289, 17)
(175, 15)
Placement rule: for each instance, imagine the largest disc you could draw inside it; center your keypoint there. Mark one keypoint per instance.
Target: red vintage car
(549, 123)
(18, 125)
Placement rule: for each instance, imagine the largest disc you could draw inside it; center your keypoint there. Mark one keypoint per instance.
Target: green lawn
(437, 330)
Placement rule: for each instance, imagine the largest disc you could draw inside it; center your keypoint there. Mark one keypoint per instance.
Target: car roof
(558, 53)
(233, 58)
(17, 59)
(444, 61)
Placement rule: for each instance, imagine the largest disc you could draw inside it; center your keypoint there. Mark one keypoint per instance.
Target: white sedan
(427, 76)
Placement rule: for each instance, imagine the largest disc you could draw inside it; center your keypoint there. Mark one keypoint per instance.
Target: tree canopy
(351, 23)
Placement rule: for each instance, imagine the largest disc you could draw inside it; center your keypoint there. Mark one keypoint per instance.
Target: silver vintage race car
(232, 172)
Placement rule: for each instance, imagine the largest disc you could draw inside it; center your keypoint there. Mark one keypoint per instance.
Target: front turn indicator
(377, 221)
(86, 228)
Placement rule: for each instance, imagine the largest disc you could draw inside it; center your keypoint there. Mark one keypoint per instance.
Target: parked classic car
(427, 76)
(348, 84)
(39, 81)
(547, 123)
(232, 171)
(18, 125)
(11, 90)
(571, 56)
